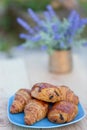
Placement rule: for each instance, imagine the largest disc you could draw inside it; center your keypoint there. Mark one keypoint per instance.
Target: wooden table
(24, 71)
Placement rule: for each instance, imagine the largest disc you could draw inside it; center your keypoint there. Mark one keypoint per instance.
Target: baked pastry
(46, 92)
(21, 98)
(62, 112)
(34, 111)
(50, 93)
(68, 95)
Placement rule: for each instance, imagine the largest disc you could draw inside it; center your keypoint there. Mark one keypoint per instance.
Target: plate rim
(44, 127)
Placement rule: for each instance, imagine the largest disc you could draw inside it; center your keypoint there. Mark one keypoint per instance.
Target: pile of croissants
(35, 103)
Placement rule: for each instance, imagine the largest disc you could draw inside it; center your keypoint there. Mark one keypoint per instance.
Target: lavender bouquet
(52, 33)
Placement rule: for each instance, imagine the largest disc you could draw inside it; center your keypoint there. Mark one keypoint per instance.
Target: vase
(60, 61)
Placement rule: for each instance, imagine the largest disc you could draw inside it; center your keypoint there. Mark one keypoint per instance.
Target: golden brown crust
(46, 92)
(62, 112)
(50, 93)
(21, 98)
(68, 95)
(34, 111)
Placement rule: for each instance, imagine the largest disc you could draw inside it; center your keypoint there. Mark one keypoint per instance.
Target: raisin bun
(62, 112)
(46, 92)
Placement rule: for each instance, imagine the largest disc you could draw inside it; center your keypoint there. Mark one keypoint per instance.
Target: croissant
(50, 93)
(21, 98)
(62, 112)
(34, 111)
(46, 92)
(68, 95)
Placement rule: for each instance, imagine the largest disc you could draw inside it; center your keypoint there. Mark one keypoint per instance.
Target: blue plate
(18, 119)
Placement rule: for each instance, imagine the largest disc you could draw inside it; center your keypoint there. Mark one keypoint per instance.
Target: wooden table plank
(26, 71)
(13, 76)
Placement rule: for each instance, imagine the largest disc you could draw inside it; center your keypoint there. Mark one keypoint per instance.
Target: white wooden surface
(24, 71)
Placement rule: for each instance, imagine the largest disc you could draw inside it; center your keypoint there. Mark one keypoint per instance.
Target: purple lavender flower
(24, 36)
(70, 40)
(74, 20)
(57, 37)
(25, 25)
(51, 11)
(62, 35)
(72, 16)
(55, 28)
(36, 38)
(36, 28)
(47, 15)
(75, 24)
(82, 22)
(31, 38)
(43, 47)
(85, 44)
(45, 29)
(34, 17)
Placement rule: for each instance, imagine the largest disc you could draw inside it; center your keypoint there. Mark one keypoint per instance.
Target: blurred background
(11, 9)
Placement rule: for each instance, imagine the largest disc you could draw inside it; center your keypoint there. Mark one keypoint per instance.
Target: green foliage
(83, 6)
(36, 5)
(4, 45)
